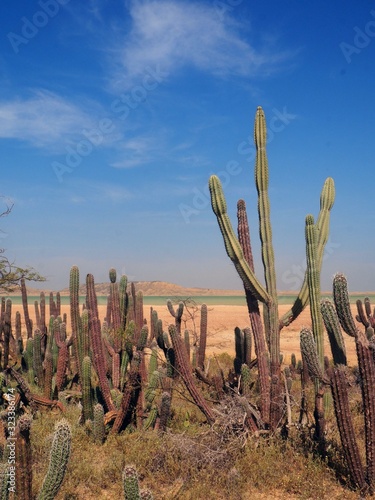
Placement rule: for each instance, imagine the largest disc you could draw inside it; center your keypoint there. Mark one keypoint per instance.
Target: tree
(10, 274)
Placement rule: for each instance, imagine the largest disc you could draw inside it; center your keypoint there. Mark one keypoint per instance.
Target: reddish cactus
(185, 372)
(99, 361)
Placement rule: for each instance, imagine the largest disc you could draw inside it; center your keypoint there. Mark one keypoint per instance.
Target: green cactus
(313, 283)
(123, 298)
(29, 326)
(4, 485)
(142, 339)
(310, 354)
(342, 304)
(59, 457)
(165, 410)
(130, 483)
(332, 325)
(177, 314)
(98, 424)
(202, 337)
(245, 380)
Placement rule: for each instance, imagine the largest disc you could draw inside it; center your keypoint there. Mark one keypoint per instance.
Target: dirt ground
(221, 323)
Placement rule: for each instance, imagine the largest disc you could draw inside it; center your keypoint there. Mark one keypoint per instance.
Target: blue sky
(113, 115)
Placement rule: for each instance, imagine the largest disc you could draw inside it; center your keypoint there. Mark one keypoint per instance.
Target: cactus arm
(232, 244)
(310, 354)
(327, 198)
(342, 304)
(261, 181)
(313, 281)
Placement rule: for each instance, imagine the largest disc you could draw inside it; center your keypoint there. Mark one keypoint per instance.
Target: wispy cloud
(43, 120)
(139, 150)
(175, 34)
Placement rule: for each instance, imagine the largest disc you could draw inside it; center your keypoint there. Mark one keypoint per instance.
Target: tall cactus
(202, 337)
(255, 291)
(185, 372)
(243, 231)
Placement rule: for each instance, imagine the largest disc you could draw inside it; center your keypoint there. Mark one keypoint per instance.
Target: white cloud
(140, 150)
(43, 120)
(173, 34)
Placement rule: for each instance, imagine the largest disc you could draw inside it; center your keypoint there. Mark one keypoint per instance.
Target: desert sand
(221, 323)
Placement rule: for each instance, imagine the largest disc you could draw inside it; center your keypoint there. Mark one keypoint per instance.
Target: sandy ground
(221, 323)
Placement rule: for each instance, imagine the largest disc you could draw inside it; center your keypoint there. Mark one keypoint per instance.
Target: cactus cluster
(238, 248)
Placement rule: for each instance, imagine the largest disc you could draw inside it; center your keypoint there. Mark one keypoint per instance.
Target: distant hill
(149, 289)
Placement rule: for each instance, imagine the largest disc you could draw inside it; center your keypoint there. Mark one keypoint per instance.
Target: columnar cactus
(202, 337)
(59, 457)
(345, 424)
(37, 358)
(130, 483)
(177, 314)
(7, 328)
(63, 356)
(98, 424)
(332, 324)
(25, 306)
(99, 362)
(24, 472)
(87, 402)
(185, 372)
